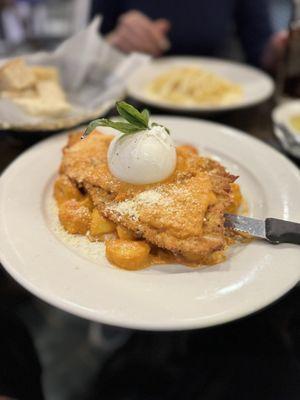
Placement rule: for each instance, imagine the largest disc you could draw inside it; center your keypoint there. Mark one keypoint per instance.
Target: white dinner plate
(288, 137)
(256, 85)
(75, 277)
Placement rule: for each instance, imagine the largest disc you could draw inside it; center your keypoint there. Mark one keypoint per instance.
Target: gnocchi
(74, 217)
(128, 254)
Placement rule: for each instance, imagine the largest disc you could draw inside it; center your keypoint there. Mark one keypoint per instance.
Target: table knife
(271, 229)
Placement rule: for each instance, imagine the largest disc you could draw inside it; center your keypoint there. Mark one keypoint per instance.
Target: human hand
(136, 32)
(274, 51)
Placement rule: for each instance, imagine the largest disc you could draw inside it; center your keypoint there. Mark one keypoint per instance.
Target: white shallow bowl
(257, 86)
(289, 138)
(165, 297)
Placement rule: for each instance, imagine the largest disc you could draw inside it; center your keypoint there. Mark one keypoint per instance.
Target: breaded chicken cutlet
(183, 214)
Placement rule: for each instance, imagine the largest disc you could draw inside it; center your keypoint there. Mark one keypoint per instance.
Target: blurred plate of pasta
(199, 84)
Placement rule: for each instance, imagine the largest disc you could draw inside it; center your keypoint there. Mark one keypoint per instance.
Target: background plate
(59, 123)
(257, 85)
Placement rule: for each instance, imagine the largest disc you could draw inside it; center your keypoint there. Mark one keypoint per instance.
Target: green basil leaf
(123, 127)
(120, 126)
(91, 126)
(146, 115)
(131, 114)
(137, 121)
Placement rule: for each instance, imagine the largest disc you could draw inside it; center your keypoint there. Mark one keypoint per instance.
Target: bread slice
(36, 89)
(16, 75)
(50, 100)
(45, 73)
(14, 94)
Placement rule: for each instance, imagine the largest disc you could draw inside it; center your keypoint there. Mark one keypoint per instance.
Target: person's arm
(254, 28)
(110, 11)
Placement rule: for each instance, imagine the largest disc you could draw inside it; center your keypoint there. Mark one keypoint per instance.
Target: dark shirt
(200, 27)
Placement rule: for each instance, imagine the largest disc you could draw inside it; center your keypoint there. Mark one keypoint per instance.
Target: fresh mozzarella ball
(145, 157)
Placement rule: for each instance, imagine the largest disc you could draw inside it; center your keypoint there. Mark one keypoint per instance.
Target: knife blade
(272, 229)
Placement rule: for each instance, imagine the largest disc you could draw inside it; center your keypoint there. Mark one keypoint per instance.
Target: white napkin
(92, 73)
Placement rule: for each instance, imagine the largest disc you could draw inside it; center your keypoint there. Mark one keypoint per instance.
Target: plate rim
(67, 122)
(89, 314)
(202, 109)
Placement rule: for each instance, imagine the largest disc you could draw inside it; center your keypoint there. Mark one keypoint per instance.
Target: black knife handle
(279, 231)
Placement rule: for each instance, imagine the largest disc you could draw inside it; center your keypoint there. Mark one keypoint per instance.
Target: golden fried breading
(183, 214)
(171, 216)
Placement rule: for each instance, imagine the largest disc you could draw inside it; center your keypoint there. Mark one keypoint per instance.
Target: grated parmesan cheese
(130, 207)
(94, 251)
